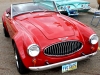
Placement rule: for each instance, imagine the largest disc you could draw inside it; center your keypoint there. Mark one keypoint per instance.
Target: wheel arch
(20, 42)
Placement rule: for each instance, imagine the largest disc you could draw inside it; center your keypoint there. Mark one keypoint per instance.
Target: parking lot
(7, 61)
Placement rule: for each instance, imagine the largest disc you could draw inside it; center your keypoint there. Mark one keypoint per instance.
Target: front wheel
(5, 32)
(19, 64)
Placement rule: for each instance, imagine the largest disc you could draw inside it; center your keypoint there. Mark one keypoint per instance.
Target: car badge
(63, 39)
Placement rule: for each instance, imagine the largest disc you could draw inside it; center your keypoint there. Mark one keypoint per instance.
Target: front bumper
(84, 9)
(50, 66)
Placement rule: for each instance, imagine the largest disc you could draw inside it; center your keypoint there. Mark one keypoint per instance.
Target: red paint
(44, 29)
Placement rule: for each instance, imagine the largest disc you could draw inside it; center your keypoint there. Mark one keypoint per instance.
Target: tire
(19, 64)
(6, 34)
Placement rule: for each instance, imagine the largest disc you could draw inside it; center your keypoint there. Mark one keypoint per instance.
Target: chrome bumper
(84, 9)
(50, 66)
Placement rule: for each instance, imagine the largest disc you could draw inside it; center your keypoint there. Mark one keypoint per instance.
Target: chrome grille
(63, 48)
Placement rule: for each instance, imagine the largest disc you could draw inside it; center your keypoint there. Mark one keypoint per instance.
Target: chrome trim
(84, 9)
(77, 9)
(60, 45)
(46, 67)
(11, 11)
(56, 7)
(30, 46)
(92, 36)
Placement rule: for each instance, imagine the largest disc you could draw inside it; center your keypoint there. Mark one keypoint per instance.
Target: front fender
(22, 41)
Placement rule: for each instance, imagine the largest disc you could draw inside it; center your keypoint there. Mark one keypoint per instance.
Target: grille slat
(63, 48)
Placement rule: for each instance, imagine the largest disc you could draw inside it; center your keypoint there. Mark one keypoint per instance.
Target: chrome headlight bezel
(61, 8)
(93, 39)
(33, 50)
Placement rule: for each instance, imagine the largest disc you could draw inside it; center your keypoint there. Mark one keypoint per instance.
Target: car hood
(51, 25)
(71, 2)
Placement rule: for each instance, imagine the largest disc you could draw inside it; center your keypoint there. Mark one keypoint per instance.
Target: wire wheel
(19, 64)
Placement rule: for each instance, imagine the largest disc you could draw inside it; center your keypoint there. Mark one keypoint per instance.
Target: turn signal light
(93, 48)
(34, 62)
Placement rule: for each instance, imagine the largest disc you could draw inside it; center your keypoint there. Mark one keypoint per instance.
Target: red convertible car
(43, 38)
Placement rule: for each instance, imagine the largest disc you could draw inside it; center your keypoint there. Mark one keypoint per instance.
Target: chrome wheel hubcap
(16, 58)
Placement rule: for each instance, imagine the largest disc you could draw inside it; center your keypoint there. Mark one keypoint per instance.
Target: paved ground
(93, 3)
(7, 61)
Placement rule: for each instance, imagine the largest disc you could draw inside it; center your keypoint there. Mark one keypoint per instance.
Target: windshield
(45, 0)
(49, 0)
(17, 9)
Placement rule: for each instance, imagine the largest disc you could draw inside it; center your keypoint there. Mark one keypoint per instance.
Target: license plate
(69, 67)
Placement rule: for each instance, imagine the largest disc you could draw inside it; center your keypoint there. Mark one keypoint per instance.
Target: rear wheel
(19, 64)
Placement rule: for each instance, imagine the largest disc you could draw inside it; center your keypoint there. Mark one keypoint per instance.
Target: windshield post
(11, 11)
(56, 7)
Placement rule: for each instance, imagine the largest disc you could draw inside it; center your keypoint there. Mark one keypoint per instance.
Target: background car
(43, 38)
(70, 5)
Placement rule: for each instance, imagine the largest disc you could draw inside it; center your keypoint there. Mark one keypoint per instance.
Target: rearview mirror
(7, 15)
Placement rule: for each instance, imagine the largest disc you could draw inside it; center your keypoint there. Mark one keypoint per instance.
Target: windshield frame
(54, 5)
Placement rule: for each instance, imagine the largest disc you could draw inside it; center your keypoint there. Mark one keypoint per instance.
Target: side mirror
(7, 15)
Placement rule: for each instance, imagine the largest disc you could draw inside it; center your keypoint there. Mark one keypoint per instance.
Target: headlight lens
(61, 8)
(33, 50)
(93, 39)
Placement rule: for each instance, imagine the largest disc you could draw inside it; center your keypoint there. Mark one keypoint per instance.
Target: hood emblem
(63, 39)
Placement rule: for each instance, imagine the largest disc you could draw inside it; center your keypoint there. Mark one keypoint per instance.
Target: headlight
(33, 50)
(93, 39)
(61, 8)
